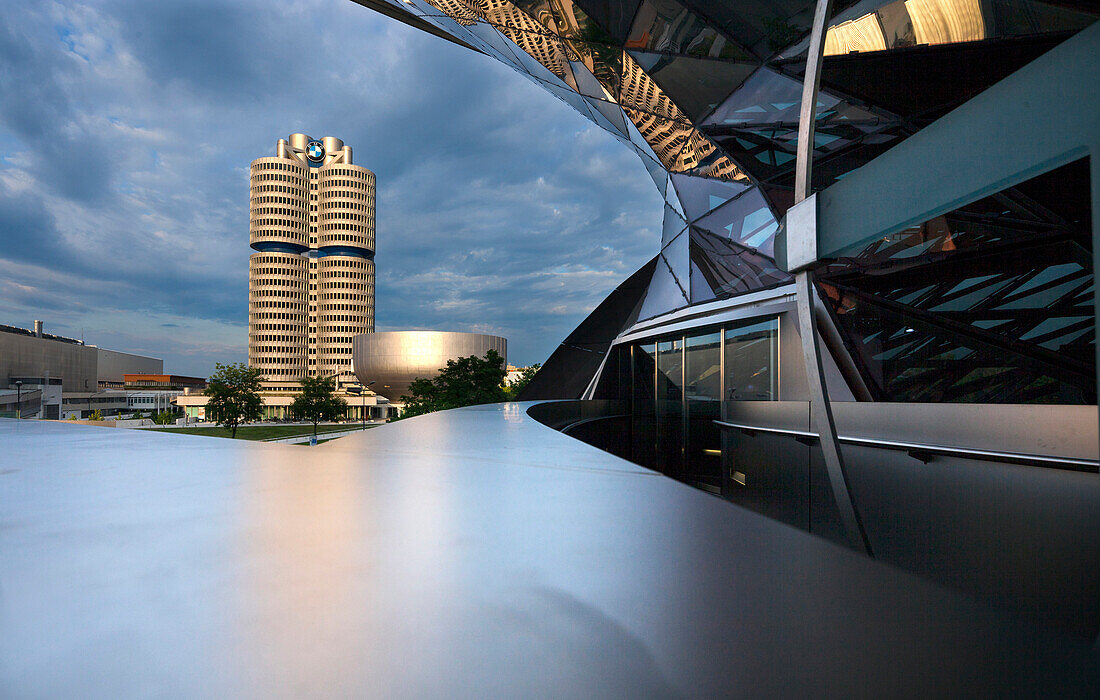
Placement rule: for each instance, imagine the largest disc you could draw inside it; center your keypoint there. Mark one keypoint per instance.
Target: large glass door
(670, 410)
(678, 384)
(643, 417)
(702, 403)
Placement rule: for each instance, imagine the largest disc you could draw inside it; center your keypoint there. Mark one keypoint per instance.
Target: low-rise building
(82, 404)
(16, 403)
(156, 393)
(514, 373)
(162, 382)
(277, 398)
(73, 379)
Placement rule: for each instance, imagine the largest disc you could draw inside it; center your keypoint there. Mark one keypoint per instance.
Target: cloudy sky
(127, 127)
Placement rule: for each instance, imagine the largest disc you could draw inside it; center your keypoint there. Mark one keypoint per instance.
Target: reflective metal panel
(467, 553)
(393, 359)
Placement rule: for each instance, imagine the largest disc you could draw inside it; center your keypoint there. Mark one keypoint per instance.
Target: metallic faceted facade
(709, 96)
(311, 277)
(393, 359)
(905, 391)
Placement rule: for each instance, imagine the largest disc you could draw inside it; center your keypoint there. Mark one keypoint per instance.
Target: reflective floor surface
(470, 553)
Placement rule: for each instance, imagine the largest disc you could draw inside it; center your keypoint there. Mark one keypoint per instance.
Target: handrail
(924, 452)
(581, 421)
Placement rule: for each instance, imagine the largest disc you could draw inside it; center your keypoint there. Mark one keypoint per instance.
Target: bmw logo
(315, 151)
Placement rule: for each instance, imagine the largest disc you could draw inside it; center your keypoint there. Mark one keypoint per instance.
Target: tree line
(467, 381)
(234, 392)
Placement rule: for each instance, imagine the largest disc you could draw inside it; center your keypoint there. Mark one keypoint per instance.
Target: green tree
(96, 415)
(164, 418)
(317, 403)
(234, 392)
(467, 381)
(513, 390)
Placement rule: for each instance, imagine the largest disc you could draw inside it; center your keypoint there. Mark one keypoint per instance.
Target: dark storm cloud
(124, 156)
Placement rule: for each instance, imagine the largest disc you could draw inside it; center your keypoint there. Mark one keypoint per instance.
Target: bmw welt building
(837, 438)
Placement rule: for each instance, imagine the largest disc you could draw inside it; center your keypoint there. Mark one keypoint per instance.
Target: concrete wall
(28, 356)
(113, 364)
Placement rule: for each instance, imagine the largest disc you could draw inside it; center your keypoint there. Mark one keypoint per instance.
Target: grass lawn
(261, 432)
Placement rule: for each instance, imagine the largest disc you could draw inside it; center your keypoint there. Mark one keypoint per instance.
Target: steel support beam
(802, 245)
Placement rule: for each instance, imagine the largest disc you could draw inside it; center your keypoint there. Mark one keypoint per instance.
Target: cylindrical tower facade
(311, 279)
(345, 308)
(278, 231)
(277, 338)
(345, 265)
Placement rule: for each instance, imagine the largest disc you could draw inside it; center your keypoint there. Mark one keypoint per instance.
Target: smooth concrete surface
(469, 553)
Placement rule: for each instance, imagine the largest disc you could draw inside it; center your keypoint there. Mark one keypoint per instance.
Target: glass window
(989, 303)
(666, 25)
(703, 393)
(702, 373)
(670, 362)
(752, 362)
(670, 413)
(643, 416)
(696, 85)
(729, 268)
(645, 371)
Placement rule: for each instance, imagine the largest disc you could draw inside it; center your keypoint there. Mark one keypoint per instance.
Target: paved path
(299, 439)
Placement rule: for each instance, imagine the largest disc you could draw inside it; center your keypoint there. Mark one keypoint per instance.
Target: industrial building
(362, 406)
(73, 378)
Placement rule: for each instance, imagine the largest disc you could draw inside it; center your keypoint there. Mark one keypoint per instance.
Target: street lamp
(18, 398)
(363, 407)
(361, 391)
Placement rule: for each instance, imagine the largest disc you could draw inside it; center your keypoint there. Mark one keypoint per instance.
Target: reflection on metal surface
(450, 555)
(307, 533)
(933, 22)
(862, 34)
(393, 359)
(946, 21)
